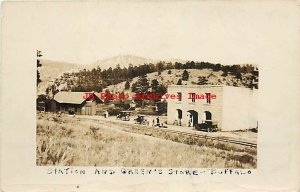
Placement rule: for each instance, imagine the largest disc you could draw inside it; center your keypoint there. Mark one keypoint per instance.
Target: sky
(227, 32)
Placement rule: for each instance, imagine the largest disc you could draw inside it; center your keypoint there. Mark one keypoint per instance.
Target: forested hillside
(157, 76)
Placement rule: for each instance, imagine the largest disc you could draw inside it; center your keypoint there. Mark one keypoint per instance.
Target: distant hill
(50, 70)
(125, 60)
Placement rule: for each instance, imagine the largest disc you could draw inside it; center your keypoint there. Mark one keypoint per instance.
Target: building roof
(196, 86)
(205, 86)
(70, 97)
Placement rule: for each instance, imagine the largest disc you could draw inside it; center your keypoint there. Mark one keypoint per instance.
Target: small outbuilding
(79, 103)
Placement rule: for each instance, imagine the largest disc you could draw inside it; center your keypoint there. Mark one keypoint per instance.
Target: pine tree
(141, 86)
(179, 82)
(185, 75)
(154, 85)
(127, 85)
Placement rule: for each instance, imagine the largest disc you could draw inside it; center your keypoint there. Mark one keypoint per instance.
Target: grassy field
(77, 142)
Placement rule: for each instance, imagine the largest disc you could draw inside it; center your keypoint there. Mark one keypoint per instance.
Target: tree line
(97, 79)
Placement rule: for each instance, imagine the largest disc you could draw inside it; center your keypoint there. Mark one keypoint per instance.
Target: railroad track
(180, 133)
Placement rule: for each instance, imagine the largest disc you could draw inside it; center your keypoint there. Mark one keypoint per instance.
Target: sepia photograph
(131, 107)
(137, 112)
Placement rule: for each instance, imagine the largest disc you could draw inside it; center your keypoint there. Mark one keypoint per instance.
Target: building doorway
(179, 116)
(193, 118)
(207, 117)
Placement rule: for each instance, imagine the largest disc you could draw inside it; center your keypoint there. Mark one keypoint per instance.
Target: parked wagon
(124, 115)
(208, 126)
(141, 120)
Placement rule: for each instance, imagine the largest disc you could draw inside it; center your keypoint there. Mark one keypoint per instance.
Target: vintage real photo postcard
(149, 95)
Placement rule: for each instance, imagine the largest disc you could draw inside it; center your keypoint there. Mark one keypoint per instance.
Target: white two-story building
(231, 108)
